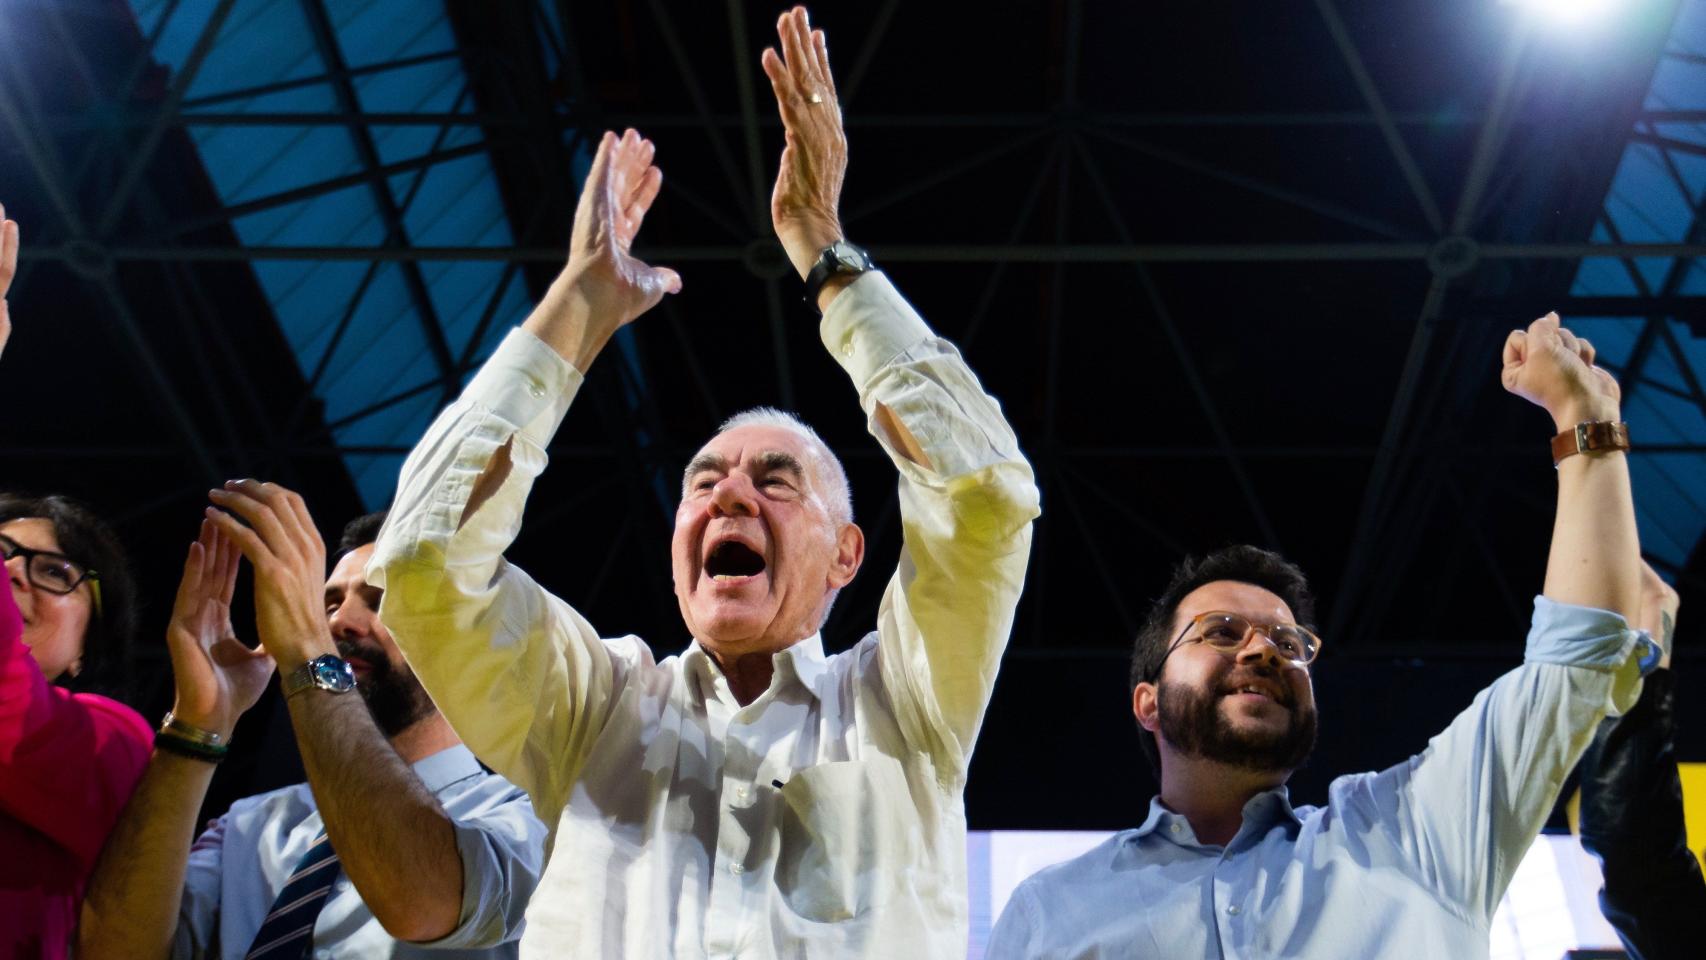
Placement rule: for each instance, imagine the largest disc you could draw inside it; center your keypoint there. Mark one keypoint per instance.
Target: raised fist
(1553, 368)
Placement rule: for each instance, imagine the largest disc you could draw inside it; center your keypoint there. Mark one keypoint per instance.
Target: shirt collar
(447, 767)
(804, 661)
(1262, 810)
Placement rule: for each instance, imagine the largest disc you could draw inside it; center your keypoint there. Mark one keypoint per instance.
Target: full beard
(1192, 723)
(394, 697)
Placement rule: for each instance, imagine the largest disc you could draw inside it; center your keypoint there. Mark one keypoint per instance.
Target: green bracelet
(171, 743)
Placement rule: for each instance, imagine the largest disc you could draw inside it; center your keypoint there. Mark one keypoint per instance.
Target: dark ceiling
(1237, 272)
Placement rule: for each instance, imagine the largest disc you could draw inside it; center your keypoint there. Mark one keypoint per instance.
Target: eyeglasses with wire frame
(53, 572)
(1228, 632)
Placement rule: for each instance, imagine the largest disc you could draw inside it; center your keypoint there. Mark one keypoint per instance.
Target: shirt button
(736, 868)
(1233, 910)
(741, 793)
(847, 349)
(535, 388)
(1175, 828)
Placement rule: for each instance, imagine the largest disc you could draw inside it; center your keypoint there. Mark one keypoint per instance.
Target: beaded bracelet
(172, 743)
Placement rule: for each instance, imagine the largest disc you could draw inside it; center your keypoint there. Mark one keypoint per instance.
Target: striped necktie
(288, 930)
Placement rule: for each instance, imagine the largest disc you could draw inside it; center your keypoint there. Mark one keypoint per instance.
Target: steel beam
(329, 77)
(1382, 116)
(906, 253)
(758, 209)
(161, 120)
(331, 55)
(733, 121)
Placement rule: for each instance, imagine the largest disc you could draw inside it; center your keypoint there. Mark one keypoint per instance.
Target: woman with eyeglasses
(69, 757)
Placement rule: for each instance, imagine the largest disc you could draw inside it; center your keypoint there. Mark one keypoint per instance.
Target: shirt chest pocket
(849, 839)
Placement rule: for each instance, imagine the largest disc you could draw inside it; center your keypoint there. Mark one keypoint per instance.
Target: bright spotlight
(1566, 11)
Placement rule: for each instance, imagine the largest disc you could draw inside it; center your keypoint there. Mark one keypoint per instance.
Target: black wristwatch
(839, 259)
(328, 672)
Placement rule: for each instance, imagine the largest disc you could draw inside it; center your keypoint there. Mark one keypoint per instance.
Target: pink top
(68, 763)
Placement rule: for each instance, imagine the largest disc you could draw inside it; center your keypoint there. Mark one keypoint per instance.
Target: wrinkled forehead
(757, 446)
(37, 533)
(1233, 596)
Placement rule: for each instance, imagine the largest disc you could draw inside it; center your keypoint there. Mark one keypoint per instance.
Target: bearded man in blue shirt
(1407, 862)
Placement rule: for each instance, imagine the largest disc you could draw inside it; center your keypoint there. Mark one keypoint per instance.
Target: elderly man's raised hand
(604, 285)
(217, 677)
(8, 269)
(1553, 368)
(805, 205)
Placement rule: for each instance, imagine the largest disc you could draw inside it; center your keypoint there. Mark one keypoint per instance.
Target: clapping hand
(805, 204)
(217, 677)
(604, 286)
(282, 544)
(1553, 368)
(8, 269)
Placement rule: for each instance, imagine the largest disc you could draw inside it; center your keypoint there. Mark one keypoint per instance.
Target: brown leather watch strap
(1590, 437)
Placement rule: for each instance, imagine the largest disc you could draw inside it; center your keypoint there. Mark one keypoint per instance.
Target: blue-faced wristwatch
(328, 671)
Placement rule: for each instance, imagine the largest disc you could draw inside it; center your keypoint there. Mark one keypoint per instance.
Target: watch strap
(830, 264)
(298, 680)
(1590, 436)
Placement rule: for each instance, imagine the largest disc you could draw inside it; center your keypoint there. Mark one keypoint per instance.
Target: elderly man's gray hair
(837, 494)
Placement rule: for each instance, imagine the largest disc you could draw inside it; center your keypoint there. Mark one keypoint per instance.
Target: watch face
(849, 258)
(332, 673)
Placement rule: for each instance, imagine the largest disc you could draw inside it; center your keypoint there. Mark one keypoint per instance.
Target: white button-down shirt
(826, 817)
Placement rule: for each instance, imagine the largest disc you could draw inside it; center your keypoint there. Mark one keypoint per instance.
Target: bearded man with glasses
(1406, 862)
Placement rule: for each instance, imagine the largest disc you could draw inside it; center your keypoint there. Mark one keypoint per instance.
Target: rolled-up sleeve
(522, 677)
(1469, 806)
(502, 846)
(966, 508)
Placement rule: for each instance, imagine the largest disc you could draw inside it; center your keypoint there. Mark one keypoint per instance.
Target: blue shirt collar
(1261, 811)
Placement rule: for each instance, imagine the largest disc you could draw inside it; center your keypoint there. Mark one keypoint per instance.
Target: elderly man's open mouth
(731, 561)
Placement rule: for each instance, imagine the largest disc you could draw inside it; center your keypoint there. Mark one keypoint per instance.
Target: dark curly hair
(358, 533)
(1244, 564)
(86, 538)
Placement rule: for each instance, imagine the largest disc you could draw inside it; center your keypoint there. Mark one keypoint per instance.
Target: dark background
(1237, 272)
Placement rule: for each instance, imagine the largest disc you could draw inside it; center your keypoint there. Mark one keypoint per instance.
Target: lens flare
(1566, 11)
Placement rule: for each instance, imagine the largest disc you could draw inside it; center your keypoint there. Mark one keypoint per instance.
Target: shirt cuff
(526, 384)
(1576, 636)
(481, 923)
(869, 324)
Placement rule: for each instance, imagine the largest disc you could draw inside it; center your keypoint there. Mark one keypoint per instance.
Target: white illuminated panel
(1552, 905)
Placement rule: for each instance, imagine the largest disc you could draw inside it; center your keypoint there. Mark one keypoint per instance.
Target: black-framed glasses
(1228, 632)
(53, 572)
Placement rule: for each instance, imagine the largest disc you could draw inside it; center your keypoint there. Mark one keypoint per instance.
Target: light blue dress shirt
(239, 865)
(1407, 862)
